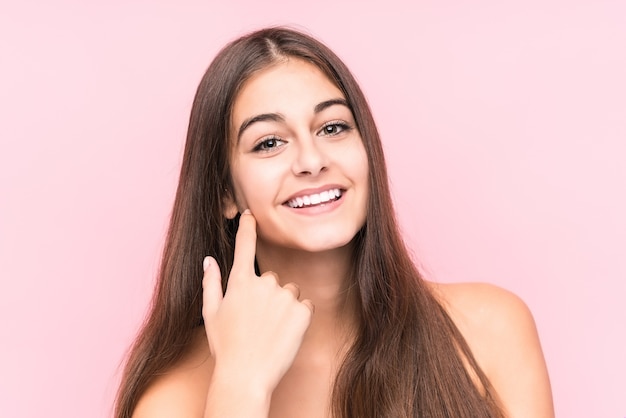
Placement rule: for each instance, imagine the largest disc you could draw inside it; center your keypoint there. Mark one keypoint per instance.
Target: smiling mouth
(315, 199)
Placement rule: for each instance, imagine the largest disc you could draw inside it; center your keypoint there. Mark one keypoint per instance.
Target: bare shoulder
(500, 330)
(182, 391)
(482, 307)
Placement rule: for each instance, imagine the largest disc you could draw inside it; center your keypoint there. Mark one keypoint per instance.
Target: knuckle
(293, 285)
(270, 276)
(292, 289)
(308, 307)
(303, 313)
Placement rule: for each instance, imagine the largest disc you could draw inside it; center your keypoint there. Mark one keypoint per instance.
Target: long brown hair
(408, 359)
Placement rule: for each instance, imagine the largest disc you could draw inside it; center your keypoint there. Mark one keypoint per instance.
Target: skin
(278, 339)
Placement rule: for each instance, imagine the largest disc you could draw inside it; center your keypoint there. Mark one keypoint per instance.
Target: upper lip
(316, 190)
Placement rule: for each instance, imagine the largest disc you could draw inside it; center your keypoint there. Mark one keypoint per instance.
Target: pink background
(504, 122)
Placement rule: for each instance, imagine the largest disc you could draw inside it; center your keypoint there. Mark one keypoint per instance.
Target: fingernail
(246, 212)
(206, 263)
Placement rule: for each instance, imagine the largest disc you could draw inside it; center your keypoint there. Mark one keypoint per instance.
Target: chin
(320, 237)
(323, 244)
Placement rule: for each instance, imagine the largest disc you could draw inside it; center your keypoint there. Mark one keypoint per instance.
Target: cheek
(253, 185)
(244, 194)
(240, 188)
(359, 164)
(360, 170)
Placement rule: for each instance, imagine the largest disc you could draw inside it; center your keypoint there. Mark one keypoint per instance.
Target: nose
(311, 160)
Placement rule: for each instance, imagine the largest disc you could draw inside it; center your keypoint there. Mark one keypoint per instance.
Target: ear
(229, 204)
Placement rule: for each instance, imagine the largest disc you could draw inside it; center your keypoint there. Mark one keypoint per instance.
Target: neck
(324, 278)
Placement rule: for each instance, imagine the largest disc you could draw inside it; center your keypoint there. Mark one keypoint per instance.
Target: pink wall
(505, 128)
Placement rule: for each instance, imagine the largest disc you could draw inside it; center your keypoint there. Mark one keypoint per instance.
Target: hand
(255, 330)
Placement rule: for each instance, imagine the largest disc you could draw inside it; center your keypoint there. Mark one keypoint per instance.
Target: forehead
(288, 87)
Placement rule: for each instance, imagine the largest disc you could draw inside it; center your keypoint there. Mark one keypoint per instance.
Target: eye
(268, 144)
(334, 128)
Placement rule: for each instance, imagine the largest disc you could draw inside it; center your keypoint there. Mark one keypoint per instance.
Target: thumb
(212, 288)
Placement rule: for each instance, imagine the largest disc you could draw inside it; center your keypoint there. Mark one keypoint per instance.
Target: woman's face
(298, 161)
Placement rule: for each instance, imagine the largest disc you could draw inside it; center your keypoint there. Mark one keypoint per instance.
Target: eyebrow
(265, 117)
(328, 103)
(277, 117)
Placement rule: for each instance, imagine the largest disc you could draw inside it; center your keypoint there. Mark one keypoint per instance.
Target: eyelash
(343, 126)
(262, 145)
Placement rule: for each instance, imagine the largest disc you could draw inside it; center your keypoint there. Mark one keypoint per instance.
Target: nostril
(309, 160)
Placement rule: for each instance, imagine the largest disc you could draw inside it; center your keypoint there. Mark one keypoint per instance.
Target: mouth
(315, 199)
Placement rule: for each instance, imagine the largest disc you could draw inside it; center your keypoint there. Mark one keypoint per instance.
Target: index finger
(245, 244)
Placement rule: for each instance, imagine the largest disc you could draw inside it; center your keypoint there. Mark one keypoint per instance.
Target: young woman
(285, 288)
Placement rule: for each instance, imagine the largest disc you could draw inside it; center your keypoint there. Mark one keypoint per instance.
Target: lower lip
(317, 209)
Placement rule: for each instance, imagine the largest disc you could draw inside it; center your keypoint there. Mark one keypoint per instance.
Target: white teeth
(315, 199)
